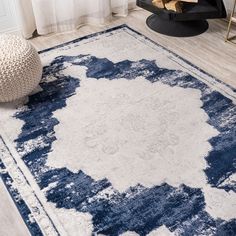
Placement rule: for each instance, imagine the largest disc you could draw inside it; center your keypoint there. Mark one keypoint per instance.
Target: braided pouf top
(20, 68)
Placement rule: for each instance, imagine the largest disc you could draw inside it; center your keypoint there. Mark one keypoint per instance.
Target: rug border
(14, 187)
(23, 205)
(146, 38)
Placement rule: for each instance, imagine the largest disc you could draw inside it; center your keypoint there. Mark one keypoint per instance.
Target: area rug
(123, 137)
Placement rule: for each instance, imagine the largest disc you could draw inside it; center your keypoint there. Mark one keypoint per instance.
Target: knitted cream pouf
(20, 68)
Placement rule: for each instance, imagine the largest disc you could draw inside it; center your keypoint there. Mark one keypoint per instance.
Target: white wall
(8, 19)
(229, 4)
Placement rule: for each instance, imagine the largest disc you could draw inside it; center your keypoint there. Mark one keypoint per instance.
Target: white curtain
(49, 16)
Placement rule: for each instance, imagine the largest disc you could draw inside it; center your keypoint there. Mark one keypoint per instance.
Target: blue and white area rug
(123, 137)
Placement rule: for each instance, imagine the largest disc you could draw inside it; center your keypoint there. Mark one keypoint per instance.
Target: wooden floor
(207, 51)
(11, 223)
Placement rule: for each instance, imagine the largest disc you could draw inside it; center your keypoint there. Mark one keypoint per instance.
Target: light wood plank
(234, 19)
(11, 223)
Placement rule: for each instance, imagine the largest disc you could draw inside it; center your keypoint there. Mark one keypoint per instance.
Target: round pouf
(20, 68)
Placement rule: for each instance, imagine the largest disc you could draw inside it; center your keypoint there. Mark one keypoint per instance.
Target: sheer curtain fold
(48, 16)
(26, 17)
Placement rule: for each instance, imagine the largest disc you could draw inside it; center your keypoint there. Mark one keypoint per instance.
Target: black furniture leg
(176, 28)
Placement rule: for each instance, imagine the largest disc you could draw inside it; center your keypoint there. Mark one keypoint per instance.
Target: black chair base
(176, 28)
